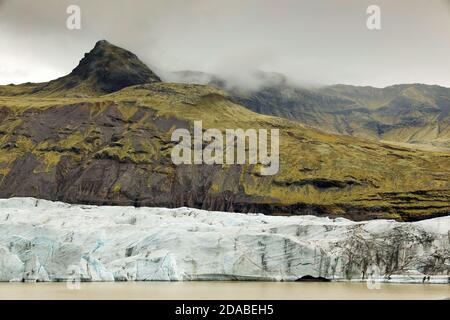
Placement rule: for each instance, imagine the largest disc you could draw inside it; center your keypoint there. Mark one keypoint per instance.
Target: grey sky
(313, 41)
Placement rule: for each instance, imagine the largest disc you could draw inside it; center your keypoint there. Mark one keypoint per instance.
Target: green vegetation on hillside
(83, 145)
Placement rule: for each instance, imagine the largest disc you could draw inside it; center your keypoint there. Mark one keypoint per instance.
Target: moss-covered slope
(115, 149)
(90, 147)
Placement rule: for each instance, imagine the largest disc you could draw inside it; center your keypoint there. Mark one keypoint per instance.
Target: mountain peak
(112, 68)
(105, 46)
(106, 68)
(102, 43)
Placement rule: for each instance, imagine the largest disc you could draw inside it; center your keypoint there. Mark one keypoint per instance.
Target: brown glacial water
(222, 290)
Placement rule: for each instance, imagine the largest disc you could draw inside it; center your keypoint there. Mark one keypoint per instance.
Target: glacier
(42, 240)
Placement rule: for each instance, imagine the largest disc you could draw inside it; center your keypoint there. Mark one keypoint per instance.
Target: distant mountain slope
(115, 149)
(417, 114)
(412, 113)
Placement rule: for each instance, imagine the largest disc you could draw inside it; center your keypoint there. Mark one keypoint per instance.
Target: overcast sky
(312, 42)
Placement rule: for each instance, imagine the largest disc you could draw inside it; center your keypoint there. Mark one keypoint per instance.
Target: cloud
(319, 41)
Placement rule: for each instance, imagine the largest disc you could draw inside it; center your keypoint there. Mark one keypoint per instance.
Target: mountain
(105, 69)
(414, 114)
(85, 145)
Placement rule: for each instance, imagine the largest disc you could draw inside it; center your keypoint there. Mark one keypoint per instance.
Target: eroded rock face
(52, 241)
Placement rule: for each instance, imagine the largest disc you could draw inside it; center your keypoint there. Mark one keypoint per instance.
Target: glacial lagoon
(205, 290)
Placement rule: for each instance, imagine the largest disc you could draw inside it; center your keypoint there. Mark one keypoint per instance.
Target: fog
(311, 42)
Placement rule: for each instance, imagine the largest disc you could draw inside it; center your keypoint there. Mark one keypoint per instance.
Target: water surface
(222, 290)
